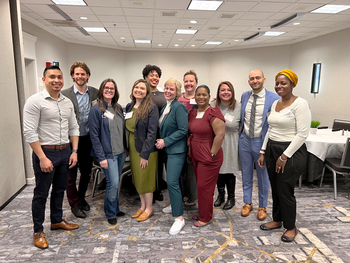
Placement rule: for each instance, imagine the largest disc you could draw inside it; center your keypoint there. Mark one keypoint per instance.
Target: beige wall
(212, 67)
(12, 175)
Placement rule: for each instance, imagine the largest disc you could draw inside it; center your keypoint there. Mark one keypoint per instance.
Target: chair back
(341, 125)
(345, 160)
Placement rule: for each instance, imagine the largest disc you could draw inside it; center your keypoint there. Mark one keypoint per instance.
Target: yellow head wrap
(290, 74)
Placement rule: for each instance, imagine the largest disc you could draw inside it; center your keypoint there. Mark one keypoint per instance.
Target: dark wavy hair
(79, 64)
(232, 104)
(115, 99)
(145, 106)
(149, 68)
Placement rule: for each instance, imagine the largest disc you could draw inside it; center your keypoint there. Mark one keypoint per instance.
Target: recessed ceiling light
(69, 2)
(83, 17)
(95, 29)
(193, 22)
(295, 24)
(331, 9)
(180, 39)
(213, 43)
(204, 5)
(159, 45)
(273, 34)
(193, 45)
(138, 41)
(122, 37)
(186, 31)
(236, 40)
(176, 45)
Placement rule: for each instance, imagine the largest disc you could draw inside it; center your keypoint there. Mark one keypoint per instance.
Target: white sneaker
(177, 226)
(167, 210)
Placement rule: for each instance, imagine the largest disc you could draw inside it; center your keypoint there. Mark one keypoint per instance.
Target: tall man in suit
(255, 106)
(81, 95)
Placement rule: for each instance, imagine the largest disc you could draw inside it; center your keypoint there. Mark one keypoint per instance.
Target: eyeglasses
(109, 89)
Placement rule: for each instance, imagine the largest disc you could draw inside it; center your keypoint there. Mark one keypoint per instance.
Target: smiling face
(283, 86)
(256, 80)
(53, 81)
(202, 97)
(225, 93)
(190, 83)
(109, 92)
(139, 91)
(80, 77)
(152, 79)
(170, 92)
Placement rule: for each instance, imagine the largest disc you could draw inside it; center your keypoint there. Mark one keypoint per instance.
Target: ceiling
(157, 20)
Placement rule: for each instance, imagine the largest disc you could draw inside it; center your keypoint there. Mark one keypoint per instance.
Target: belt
(55, 147)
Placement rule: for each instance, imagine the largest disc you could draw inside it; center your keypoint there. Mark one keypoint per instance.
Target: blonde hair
(178, 86)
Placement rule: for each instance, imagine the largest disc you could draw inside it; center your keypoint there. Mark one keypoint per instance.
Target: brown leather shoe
(64, 225)
(40, 240)
(262, 213)
(137, 213)
(144, 216)
(246, 210)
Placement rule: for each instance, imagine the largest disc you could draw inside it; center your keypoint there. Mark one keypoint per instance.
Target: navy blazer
(270, 97)
(174, 127)
(71, 95)
(145, 131)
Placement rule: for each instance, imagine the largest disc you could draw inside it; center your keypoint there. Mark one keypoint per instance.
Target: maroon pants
(206, 169)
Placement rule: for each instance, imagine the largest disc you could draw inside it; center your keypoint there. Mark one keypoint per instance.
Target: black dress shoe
(229, 204)
(120, 213)
(78, 212)
(84, 205)
(266, 228)
(157, 195)
(112, 221)
(289, 239)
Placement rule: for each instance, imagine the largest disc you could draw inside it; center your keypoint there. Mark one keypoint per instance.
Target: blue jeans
(115, 168)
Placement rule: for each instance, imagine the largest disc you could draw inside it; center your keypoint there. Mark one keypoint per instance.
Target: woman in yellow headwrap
(285, 152)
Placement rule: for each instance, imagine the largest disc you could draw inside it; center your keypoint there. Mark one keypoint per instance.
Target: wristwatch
(75, 151)
(213, 155)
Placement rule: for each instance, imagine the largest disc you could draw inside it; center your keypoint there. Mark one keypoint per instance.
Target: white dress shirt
(260, 103)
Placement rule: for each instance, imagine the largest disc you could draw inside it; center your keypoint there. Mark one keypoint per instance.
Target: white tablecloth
(326, 144)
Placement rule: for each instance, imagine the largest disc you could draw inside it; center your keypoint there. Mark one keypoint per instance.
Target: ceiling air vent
(213, 28)
(64, 23)
(169, 13)
(227, 15)
(199, 40)
(137, 3)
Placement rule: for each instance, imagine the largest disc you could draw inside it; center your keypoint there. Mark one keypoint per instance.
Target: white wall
(12, 176)
(212, 67)
(333, 52)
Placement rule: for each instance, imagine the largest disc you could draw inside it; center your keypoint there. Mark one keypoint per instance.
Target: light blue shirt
(84, 110)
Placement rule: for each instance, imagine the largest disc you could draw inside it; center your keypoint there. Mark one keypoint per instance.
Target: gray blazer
(71, 95)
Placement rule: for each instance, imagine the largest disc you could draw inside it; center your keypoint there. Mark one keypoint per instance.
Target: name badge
(285, 111)
(129, 115)
(193, 102)
(166, 111)
(229, 117)
(200, 115)
(109, 115)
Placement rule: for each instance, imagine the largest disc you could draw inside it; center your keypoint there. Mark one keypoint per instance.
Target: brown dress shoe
(40, 240)
(262, 213)
(137, 213)
(246, 210)
(64, 225)
(144, 216)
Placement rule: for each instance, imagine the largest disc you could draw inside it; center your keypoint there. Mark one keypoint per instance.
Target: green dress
(143, 179)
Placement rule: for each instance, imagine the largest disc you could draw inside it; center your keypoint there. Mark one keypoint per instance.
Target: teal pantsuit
(173, 130)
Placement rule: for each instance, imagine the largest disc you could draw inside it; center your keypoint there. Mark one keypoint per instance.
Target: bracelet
(262, 152)
(282, 159)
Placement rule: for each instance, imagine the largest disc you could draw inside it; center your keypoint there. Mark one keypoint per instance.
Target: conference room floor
(323, 223)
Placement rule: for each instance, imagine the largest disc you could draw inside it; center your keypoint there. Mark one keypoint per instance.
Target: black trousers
(58, 178)
(283, 184)
(85, 165)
